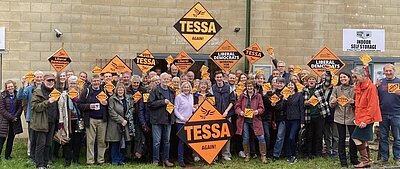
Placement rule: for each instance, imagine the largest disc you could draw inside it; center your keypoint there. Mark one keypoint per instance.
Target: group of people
(131, 119)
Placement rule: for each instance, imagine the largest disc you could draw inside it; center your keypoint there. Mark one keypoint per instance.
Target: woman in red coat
(366, 113)
(249, 107)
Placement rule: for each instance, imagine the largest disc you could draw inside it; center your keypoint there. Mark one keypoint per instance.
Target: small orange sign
(29, 77)
(55, 94)
(80, 84)
(96, 70)
(203, 68)
(393, 87)
(270, 50)
(169, 59)
(299, 86)
(177, 92)
(313, 100)
(59, 59)
(183, 61)
(253, 53)
(239, 90)
(194, 90)
(145, 61)
(286, 92)
(116, 65)
(274, 99)
(205, 75)
(72, 93)
(325, 57)
(335, 80)
(102, 96)
(137, 96)
(226, 56)
(343, 100)
(109, 87)
(211, 99)
(170, 108)
(297, 69)
(266, 87)
(248, 113)
(206, 132)
(259, 72)
(365, 58)
(146, 97)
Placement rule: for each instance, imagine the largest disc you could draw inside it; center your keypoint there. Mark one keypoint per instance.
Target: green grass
(20, 160)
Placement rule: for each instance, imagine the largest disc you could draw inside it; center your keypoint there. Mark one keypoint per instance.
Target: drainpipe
(247, 43)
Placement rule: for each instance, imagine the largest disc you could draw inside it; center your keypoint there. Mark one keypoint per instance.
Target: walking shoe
(226, 158)
(254, 156)
(398, 162)
(241, 154)
(182, 164)
(292, 160)
(155, 163)
(166, 163)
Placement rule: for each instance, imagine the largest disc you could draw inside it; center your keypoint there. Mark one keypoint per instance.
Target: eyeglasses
(50, 80)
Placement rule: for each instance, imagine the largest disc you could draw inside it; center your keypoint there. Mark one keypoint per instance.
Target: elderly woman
(118, 129)
(366, 113)
(10, 113)
(251, 101)
(71, 119)
(183, 111)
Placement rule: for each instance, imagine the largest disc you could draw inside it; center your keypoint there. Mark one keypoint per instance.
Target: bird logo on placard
(198, 12)
(206, 113)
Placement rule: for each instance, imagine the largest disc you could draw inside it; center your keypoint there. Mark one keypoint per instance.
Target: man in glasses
(281, 66)
(44, 118)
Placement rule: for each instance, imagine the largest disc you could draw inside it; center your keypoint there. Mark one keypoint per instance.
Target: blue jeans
(117, 153)
(280, 139)
(161, 132)
(393, 122)
(292, 128)
(266, 132)
(246, 134)
(181, 144)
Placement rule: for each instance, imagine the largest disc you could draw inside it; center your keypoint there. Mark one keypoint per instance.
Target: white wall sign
(2, 38)
(364, 40)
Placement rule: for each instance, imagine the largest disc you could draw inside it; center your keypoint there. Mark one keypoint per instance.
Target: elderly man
(174, 71)
(25, 93)
(281, 66)
(389, 101)
(190, 76)
(44, 118)
(161, 119)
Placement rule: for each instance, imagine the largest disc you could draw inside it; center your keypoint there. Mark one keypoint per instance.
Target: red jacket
(256, 103)
(367, 103)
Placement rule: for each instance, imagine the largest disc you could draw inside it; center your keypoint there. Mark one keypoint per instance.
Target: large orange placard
(183, 61)
(145, 61)
(226, 56)
(116, 65)
(59, 59)
(325, 57)
(253, 53)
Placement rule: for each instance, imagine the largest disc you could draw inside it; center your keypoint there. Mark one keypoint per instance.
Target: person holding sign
(249, 107)
(389, 99)
(93, 103)
(71, 120)
(44, 119)
(10, 117)
(342, 100)
(120, 127)
(279, 117)
(316, 109)
(161, 120)
(294, 119)
(367, 112)
(145, 138)
(183, 111)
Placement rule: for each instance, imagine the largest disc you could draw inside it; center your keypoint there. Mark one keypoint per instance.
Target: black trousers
(342, 144)
(73, 148)
(43, 144)
(32, 138)
(10, 141)
(314, 136)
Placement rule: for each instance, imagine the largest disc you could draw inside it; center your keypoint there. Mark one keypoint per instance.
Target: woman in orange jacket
(366, 113)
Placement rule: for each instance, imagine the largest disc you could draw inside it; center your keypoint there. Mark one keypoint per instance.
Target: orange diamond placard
(116, 65)
(286, 92)
(59, 59)
(72, 93)
(365, 58)
(325, 57)
(299, 86)
(146, 97)
(226, 56)
(393, 87)
(109, 87)
(253, 53)
(29, 77)
(248, 113)
(206, 132)
(80, 84)
(55, 94)
(274, 98)
(266, 87)
(169, 59)
(313, 100)
(102, 96)
(170, 108)
(343, 100)
(145, 61)
(137, 96)
(197, 26)
(183, 61)
(97, 70)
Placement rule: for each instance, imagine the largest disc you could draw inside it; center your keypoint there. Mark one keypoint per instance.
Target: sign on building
(325, 57)
(226, 56)
(197, 26)
(364, 40)
(59, 59)
(116, 65)
(145, 61)
(183, 61)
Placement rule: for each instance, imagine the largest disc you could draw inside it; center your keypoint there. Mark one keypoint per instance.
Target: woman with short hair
(10, 113)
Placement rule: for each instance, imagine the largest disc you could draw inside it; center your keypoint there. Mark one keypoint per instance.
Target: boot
(246, 149)
(263, 152)
(365, 162)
